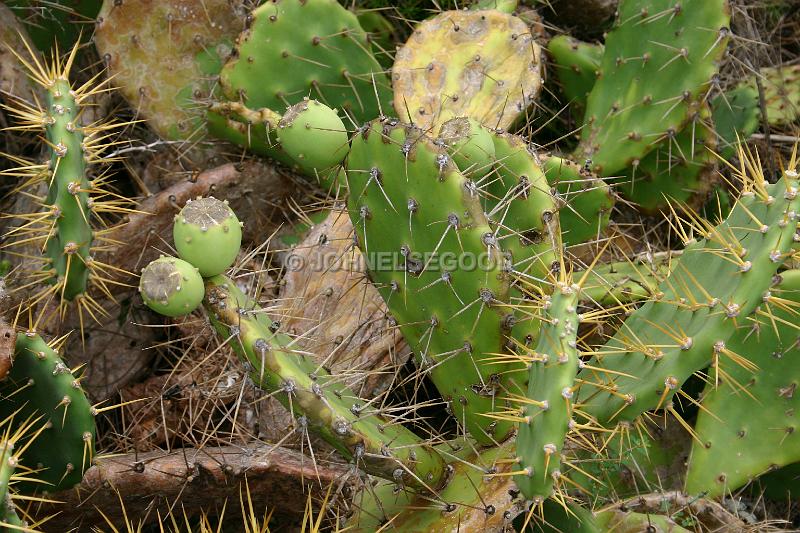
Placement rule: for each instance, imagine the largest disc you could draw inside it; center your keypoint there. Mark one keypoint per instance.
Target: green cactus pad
(547, 409)
(308, 48)
(682, 168)
(313, 135)
(171, 286)
(713, 288)
(628, 111)
(483, 65)
(165, 56)
(474, 499)
(587, 200)
(208, 235)
(736, 116)
(41, 385)
(749, 425)
(436, 262)
(521, 209)
(319, 401)
(576, 66)
(610, 284)
(469, 144)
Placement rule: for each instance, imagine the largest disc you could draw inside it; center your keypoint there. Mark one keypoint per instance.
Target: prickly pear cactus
(576, 66)
(310, 48)
(171, 286)
(483, 65)
(680, 169)
(74, 201)
(781, 94)
(207, 235)
(319, 402)
(748, 424)
(416, 218)
(477, 488)
(587, 200)
(714, 287)
(546, 410)
(166, 55)
(40, 387)
(627, 112)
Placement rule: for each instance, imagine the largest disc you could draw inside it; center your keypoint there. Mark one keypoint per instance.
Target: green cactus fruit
(748, 425)
(682, 168)
(319, 402)
(736, 116)
(313, 135)
(40, 386)
(208, 235)
(713, 288)
(483, 65)
(476, 497)
(587, 200)
(436, 262)
(171, 286)
(166, 63)
(469, 144)
(576, 66)
(312, 48)
(627, 112)
(546, 411)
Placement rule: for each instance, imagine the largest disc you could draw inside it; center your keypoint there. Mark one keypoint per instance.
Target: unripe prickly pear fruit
(469, 143)
(208, 235)
(313, 135)
(171, 286)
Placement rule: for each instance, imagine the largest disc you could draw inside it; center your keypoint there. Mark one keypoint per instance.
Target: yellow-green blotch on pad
(171, 286)
(208, 235)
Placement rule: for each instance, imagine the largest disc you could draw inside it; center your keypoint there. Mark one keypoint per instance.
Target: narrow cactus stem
(69, 244)
(317, 400)
(547, 409)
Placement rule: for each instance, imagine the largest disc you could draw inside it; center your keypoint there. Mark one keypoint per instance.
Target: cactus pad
(208, 235)
(40, 385)
(166, 55)
(749, 423)
(712, 289)
(628, 112)
(441, 267)
(587, 200)
(576, 66)
(310, 48)
(483, 65)
(681, 168)
(171, 286)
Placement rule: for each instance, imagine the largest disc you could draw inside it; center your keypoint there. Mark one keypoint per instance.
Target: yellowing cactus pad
(479, 64)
